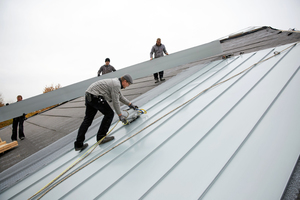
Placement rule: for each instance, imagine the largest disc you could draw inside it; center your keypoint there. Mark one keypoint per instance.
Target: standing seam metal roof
(238, 140)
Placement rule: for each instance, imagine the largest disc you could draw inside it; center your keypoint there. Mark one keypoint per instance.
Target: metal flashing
(136, 71)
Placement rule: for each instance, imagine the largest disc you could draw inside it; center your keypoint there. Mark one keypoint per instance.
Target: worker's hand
(123, 119)
(133, 106)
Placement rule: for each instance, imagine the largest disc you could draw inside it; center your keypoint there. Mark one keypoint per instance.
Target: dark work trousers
(93, 104)
(18, 121)
(161, 75)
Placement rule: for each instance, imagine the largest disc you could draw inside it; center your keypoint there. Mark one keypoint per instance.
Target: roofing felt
(218, 146)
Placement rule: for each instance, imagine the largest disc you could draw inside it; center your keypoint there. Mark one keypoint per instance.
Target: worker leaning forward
(96, 98)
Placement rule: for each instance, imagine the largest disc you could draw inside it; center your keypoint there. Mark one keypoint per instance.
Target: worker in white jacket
(96, 98)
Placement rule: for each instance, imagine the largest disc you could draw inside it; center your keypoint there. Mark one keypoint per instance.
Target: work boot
(82, 148)
(162, 79)
(156, 80)
(107, 139)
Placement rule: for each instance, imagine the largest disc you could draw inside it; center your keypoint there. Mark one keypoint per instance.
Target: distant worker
(158, 49)
(96, 98)
(18, 121)
(107, 68)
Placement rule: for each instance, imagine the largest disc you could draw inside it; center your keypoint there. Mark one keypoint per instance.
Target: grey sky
(66, 41)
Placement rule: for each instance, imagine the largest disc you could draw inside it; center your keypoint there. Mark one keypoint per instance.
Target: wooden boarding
(6, 146)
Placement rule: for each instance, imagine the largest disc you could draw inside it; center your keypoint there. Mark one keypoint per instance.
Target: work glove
(123, 119)
(133, 106)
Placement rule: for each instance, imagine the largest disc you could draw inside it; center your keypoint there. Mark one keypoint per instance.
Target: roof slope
(48, 127)
(238, 140)
(26, 172)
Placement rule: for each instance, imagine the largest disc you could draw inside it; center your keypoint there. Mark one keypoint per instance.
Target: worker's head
(19, 98)
(158, 41)
(126, 80)
(107, 61)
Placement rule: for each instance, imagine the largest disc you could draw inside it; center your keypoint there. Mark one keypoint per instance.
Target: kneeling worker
(96, 98)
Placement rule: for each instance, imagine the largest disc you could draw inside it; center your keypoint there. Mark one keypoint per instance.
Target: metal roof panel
(237, 140)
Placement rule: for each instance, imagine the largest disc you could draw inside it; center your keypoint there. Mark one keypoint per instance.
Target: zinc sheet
(136, 71)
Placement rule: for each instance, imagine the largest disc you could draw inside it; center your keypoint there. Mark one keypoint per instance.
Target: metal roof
(50, 126)
(238, 140)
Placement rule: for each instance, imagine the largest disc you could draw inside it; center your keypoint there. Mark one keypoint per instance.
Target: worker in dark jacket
(18, 121)
(158, 49)
(107, 68)
(96, 98)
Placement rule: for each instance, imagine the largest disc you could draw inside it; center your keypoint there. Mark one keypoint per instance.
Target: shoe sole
(82, 148)
(103, 142)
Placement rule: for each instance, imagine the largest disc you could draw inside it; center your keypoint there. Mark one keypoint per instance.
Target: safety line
(153, 123)
(87, 153)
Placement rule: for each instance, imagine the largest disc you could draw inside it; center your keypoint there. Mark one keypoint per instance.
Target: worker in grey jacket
(96, 98)
(158, 49)
(107, 68)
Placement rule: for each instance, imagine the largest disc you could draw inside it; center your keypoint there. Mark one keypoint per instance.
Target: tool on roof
(134, 114)
(81, 158)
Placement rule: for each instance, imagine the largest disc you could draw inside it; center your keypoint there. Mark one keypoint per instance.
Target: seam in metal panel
(198, 76)
(170, 118)
(179, 89)
(140, 125)
(62, 165)
(152, 117)
(257, 123)
(171, 136)
(176, 91)
(187, 153)
(93, 126)
(141, 138)
(210, 129)
(193, 80)
(132, 168)
(187, 83)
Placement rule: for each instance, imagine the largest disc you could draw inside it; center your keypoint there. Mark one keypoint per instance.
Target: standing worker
(158, 49)
(107, 68)
(18, 121)
(96, 98)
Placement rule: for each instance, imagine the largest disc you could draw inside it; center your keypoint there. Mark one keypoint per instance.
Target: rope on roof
(96, 144)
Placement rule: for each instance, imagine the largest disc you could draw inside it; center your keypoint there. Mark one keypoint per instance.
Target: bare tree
(1, 101)
(51, 88)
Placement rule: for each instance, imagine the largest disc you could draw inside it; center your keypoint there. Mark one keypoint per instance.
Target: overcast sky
(44, 42)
